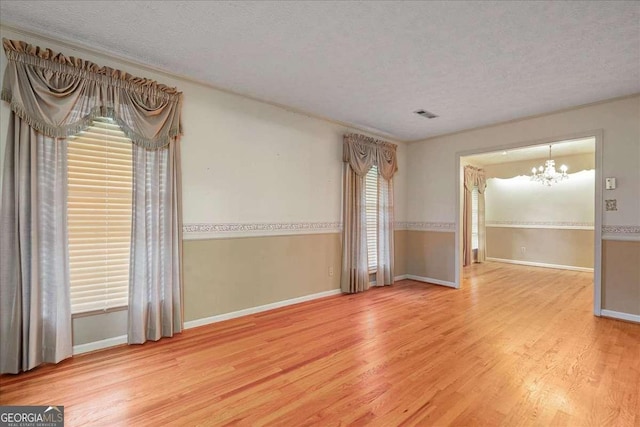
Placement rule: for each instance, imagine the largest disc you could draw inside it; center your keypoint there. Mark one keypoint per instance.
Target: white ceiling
(558, 149)
(371, 64)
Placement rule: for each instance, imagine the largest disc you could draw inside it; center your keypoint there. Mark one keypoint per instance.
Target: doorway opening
(514, 208)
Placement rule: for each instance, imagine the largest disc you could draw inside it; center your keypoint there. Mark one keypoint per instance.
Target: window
(99, 216)
(474, 218)
(371, 210)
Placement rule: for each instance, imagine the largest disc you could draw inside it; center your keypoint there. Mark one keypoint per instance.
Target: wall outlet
(523, 250)
(330, 271)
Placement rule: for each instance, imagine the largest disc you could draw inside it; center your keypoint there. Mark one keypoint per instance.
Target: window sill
(96, 312)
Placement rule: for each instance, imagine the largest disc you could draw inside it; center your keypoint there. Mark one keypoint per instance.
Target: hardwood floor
(515, 346)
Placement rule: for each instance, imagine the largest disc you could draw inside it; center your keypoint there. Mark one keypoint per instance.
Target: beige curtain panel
(360, 153)
(35, 307)
(155, 289)
(473, 177)
(355, 271)
(52, 97)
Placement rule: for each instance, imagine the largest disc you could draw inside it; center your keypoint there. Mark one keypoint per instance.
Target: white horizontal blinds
(99, 216)
(474, 218)
(371, 210)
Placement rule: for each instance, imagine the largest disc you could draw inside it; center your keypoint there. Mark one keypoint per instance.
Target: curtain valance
(474, 177)
(60, 96)
(362, 152)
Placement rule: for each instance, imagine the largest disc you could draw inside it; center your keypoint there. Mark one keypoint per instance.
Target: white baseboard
(99, 345)
(621, 316)
(431, 280)
(122, 339)
(541, 264)
(258, 309)
(395, 279)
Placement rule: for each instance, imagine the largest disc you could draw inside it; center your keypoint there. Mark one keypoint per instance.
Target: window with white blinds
(371, 210)
(99, 216)
(474, 218)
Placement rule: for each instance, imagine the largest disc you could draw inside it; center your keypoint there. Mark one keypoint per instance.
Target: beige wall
(562, 247)
(224, 275)
(622, 267)
(428, 254)
(98, 327)
(431, 193)
(400, 259)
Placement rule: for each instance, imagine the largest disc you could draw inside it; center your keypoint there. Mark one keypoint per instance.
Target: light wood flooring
(515, 346)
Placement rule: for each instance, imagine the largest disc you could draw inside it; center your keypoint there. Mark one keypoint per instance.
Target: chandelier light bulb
(564, 168)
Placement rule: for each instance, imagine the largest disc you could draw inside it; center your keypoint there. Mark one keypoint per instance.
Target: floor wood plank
(515, 346)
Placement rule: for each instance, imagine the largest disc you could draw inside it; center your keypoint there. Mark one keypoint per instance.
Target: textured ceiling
(558, 149)
(371, 64)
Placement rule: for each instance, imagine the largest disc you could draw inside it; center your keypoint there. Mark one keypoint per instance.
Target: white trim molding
(555, 225)
(258, 309)
(621, 316)
(226, 230)
(99, 345)
(431, 281)
(621, 232)
(398, 278)
(426, 226)
(541, 264)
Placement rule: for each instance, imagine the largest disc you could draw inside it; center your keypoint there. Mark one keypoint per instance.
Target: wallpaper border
(228, 230)
(276, 228)
(425, 226)
(542, 224)
(621, 232)
(223, 230)
(621, 229)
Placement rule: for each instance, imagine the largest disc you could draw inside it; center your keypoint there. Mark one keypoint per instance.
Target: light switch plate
(610, 183)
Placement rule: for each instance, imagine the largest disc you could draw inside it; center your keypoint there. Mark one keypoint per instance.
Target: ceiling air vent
(426, 114)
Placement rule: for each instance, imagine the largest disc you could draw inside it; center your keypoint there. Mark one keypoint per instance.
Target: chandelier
(548, 175)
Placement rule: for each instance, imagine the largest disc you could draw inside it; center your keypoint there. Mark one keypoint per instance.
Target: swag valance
(362, 152)
(60, 96)
(474, 177)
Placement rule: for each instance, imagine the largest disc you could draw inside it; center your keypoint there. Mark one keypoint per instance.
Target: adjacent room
(320, 213)
(531, 207)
